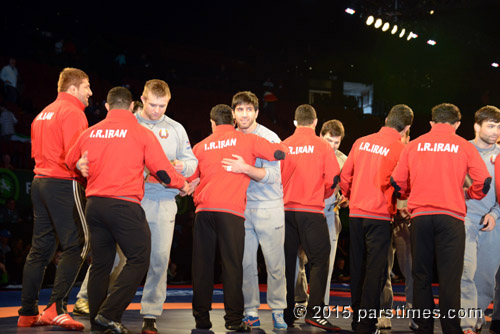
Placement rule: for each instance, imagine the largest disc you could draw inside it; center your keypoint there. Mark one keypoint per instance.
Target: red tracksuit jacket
(221, 190)
(118, 148)
(436, 164)
(53, 132)
(309, 167)
(365, 177)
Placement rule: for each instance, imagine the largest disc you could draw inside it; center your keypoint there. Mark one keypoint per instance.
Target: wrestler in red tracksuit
(220, 201)
(365, 181)
(118, 149)
(310, 166)
(57, 204)
(436, 165)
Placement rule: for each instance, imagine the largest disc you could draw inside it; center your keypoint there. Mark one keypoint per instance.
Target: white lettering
(438, 147)
(45, 116)
(220, 144)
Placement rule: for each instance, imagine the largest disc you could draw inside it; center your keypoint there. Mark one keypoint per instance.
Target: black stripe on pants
(369, 246)
(56, 218)
(311, 231)
(228, 231)
(112, 221)
(444, 237)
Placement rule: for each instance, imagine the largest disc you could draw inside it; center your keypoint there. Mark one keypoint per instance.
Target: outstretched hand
(190, 187)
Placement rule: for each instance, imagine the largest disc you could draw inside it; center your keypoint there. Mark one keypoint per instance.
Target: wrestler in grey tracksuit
(265, 224)
(160, 207)
(482, 249)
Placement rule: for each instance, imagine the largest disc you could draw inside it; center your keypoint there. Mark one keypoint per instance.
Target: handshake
(189, 187)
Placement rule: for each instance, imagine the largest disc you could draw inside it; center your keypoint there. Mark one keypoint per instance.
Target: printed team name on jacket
(108, 133)
(45, 116)
(301, 149)
(438, 147)
(373, 148)
(216, 145)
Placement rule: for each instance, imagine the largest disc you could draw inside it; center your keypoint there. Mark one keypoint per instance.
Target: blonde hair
(158, 88)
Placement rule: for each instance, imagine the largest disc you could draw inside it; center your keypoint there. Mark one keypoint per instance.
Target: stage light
(402, 33)
(494, 64)
(370, 20)
(394, 29)
(378, 23)
(350, 11)
(411, 35)
(431, 42)
(386, 26)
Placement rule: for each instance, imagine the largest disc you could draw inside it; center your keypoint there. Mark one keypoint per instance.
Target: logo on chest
(163, 133)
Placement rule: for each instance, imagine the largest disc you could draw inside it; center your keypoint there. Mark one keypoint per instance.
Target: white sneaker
(384, 323)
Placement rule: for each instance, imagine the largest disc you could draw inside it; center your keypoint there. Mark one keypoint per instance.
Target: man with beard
(482, 249)
(264, 218)
(56, 196)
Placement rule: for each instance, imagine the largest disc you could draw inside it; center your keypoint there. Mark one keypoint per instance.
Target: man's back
(361, 174)
(113, 171)
(221, 190)
(53, 132)
(310, 166)
(438, 163)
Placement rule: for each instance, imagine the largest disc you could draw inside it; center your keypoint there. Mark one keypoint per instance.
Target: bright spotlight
(378, 23)
(394, 29)
(411, 35)
(370, 20)
(402, 33)
(494, 64)
(386, 26)
(431, 42)
(350, 11)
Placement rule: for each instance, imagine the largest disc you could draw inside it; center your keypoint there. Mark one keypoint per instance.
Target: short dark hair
(222, 114)
(487, 114)
(137, 105)
(245, 97)
(119, 98)
(333, 127)
(399, 117)
(446, 113)
(305, 115)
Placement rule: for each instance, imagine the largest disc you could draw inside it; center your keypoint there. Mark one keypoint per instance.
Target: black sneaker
(110, 325)
(241, 328)
(495, 326)
(149, 326)
(323, 324)
(203, 324)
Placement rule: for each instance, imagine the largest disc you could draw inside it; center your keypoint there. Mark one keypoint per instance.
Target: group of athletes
(432, 200)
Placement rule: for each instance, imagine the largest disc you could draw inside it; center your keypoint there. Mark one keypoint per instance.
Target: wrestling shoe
(81, 307)
(279, 323)
(241, 328)
(64, 320)
(29, 321)
(149, 326)
(252, 322)
(495, 326)
(470, 331)
(110, 325)
(322, 323)
(413, 325)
